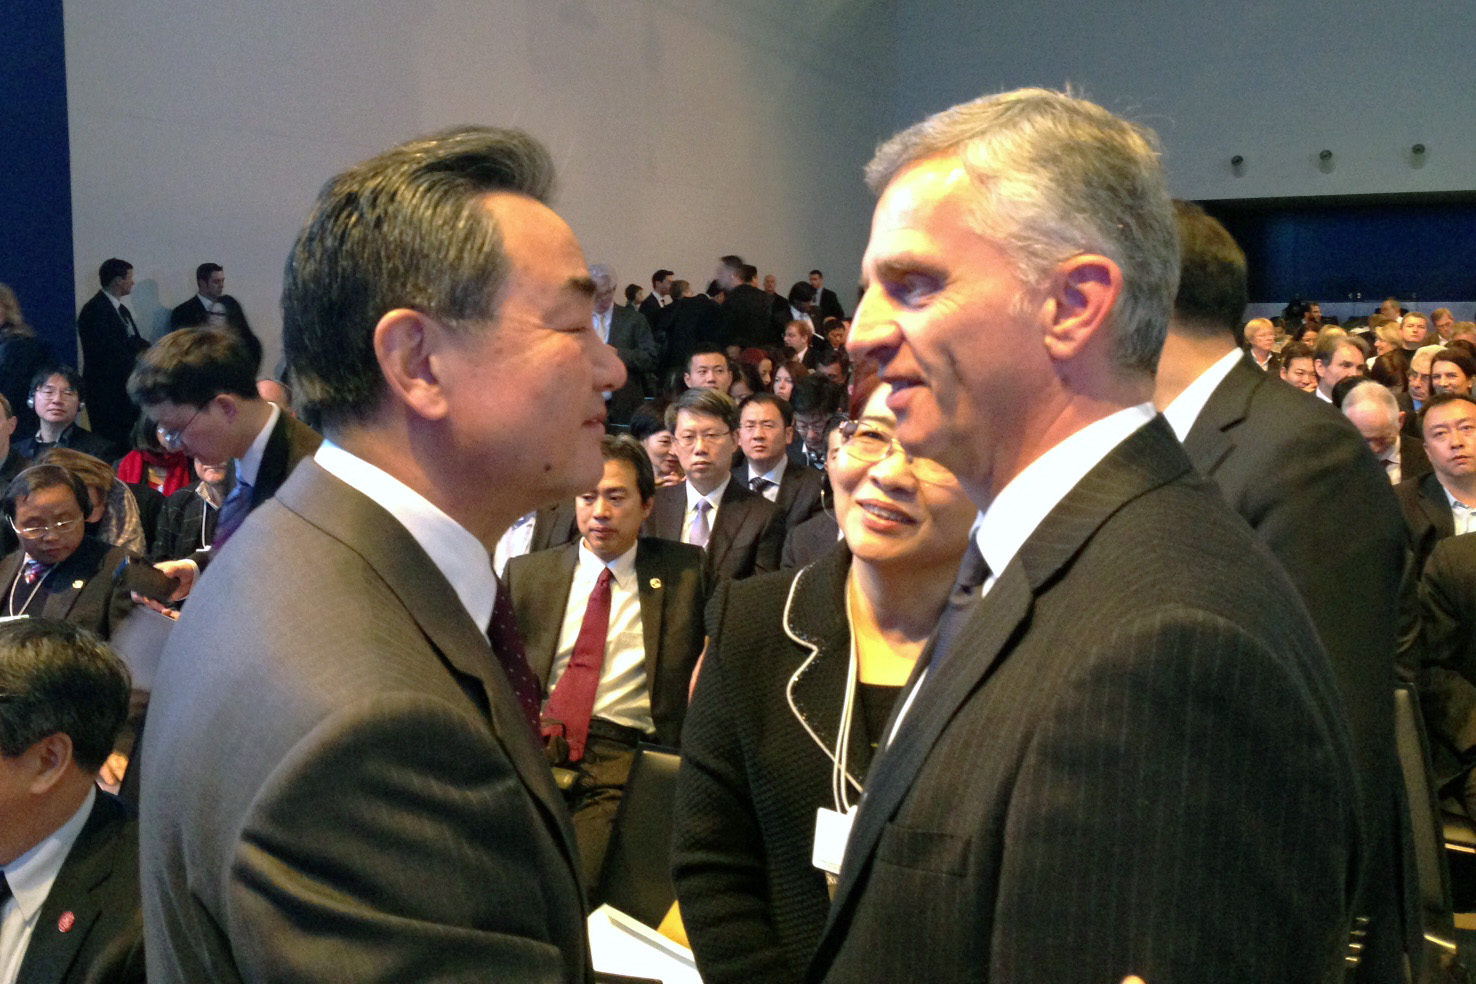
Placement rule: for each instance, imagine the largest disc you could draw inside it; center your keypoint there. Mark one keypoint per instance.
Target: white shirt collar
(248, 466)
(451, 547)
(775, 474)
(116, 301)
(32, 874)
(715, 496)
(1031, 495)
(210, 304)
(1185, 408)
(1324, 399)
(622, 568)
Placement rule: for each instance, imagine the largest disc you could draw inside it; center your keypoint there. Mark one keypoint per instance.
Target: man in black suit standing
(1294, 469)
(199, 386)
(110, 344)
(1123, 751)
(212, 306)
(1442, 503)
(827, 305)
(69, 901)
(747, 312)
(741, 531)
(643, 622)
(659, 298)
(629, 334)
(342, 773)
(765, 429)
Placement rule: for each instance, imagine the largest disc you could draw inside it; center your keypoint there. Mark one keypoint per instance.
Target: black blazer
(810, 540)
(81, 589)
(1132, 760)
(186, 524)
(98, 885)
(109, 349)
(747, 536)
(827, 305)
(1414, 462)
(191, 314)
(673, 590)
(749, 317)
(754, 770)
(800, 490)
(77, 438)
(1427, 516)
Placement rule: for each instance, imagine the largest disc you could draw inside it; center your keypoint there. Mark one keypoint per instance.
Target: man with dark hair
(688, 321)
(342, 777)
(827, 305)
(199, 386)
(1335, 358)
(831, 364)
(765, 430)
(816, 401)
(707, 368)
(1293, 468)
(1442, 503)
(741, 532)
(613, 627)
(747, 314)
(56, 396)
(660, 296)
(110, 344)
(69, 901)
(1298, 366)
(212, 306)
(1451, 371)
(1123, 692)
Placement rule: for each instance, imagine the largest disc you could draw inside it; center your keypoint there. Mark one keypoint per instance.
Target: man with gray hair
(630, 335)
(1376, 414)
(1122, 751)
(343, 778)
(1421, 388)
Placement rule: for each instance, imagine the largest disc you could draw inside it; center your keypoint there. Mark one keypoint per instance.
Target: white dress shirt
(515, 542)
(624, 695)
(1185, 408)
(215, 311)
(1393, 466)
(248, 466)
(714, 498)
(31, 876)
(1462, 516)
(458, 554)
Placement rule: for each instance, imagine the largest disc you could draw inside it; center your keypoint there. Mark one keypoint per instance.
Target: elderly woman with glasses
(802, 672)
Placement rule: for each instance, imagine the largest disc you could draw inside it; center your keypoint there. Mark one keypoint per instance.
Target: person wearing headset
(56, 396)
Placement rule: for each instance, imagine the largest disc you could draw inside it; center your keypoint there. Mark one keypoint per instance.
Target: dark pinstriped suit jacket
(1133, 761)
(340, 784)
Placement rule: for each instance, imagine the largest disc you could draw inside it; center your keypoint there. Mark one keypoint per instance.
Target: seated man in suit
(741, 531)
(765, 428)
(1335, 359)
(1376, 414)
(200, 385)
(707, 367)
(613, 627)
(1442, 503)
(56, 396)
(817, 402)
(213, 307)
(187, 521)
(69, 902)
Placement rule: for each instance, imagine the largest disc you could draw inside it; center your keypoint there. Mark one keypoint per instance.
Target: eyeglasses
(688, 440)
(868, 444)
(37, 532)
(173, 440)
(51, 391)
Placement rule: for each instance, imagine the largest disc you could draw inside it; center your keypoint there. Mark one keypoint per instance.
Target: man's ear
(405, 343)
(1080, 295)
(49, 760)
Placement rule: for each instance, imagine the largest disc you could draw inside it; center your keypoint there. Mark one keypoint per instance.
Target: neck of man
(1325, 387)
(46, 815)
(251, 416)
(756, 466)
(50, 432)
(704, 486)
(1463, 487)
(1186, 356)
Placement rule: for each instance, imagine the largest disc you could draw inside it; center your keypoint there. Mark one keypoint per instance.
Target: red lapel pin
(66, 922)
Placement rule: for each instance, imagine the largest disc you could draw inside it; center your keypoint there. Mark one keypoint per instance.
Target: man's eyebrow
(901, 264)
(581, 285)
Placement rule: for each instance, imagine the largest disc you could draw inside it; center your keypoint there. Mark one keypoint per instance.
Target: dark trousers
(593, 801)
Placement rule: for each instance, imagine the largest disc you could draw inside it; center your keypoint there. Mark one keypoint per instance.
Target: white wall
(683, 130)
(1274, 82)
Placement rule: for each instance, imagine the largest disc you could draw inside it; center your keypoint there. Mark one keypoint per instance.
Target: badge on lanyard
(832, 830)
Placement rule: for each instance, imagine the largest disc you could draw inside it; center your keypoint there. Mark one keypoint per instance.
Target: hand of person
(111, 773)
(157, 606)
(185, 571)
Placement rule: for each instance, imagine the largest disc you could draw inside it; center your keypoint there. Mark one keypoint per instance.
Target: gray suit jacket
(340, 782)
(630, 336)
(673, 590)
(1132, 761)
(747, 536)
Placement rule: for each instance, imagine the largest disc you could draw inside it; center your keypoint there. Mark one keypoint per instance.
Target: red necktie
(507, 645)
(572, 703)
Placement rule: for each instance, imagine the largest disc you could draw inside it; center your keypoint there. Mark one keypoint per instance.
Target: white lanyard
(32, 596)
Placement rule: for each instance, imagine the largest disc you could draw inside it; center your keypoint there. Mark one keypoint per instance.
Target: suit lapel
(1436, 506)
(550, 578)
(652, 589)
(88, 864)
(730, 519)
(669, 512)
(65, 583)
(1209, 441)
(272, 471)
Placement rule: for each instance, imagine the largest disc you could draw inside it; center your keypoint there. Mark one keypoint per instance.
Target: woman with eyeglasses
(802, 672)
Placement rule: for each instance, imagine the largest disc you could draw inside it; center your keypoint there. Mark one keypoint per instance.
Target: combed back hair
(204, 270)
(1439, 313)
(1058, 176)
(57, 678)
(1212, 280)
(191, 367)
(647, 419)
(659, 276)
(704, 400)
(1329, 340)
(801, 292)
(46, 476)
(1362, 345)
(1256, 324)
(1424, 356)
(623, 447)
(1457, 357)
(112, 269)
(805, 328)
(762, 398)
(1369, 393)
(400, 230)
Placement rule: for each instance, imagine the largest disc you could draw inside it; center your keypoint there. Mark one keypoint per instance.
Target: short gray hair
(1058, 176)
(1373, 394)
(603, 271)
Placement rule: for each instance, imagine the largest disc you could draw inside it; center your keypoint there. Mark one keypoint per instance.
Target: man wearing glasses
(742, 532)
(199, 386)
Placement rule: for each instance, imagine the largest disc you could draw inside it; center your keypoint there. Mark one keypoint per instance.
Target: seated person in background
(835, 333)
(68, 852)
(801, 674)
(797, 337)
(12, 463)
(648, 425)
(1391, 370)
(741, 531)
(1376, 414)
(1447, 659)
(1451, 371)
(765, 430)
(812, 539)
(60, 571)
(745, 381)
(613, 627)
(150, 465)
(115, 517)
(1297, 366)
(815, 401)
(762, 362)
(187, 522)
(56, 396)
(786, 374)
(707, 366)
(1443, 503)
(834, 366)
(1386, 335)
(1260, 335)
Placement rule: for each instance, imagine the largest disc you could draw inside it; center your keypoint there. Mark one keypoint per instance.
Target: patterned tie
(761, 485)
(700, 530)
(972, 573)
(232, 513)
(35, 570)
(507, 645)
(573, 700)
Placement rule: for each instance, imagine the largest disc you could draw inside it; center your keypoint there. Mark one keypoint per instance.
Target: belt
(610, 731)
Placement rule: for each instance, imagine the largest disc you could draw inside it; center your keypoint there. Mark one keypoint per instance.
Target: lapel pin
(655, 583)
(77, 586)
(66, 922)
